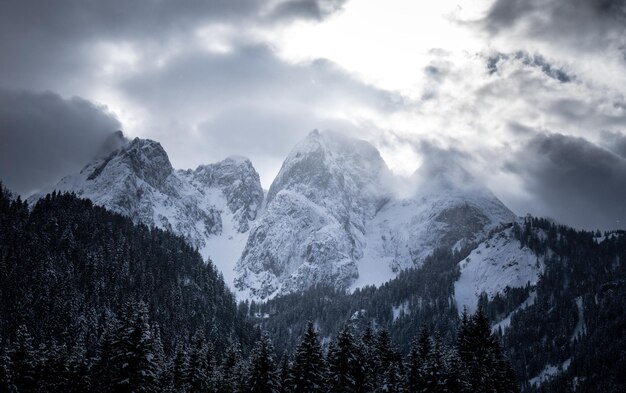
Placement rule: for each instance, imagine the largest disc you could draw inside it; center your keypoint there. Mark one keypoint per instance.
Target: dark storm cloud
(580, 183)
(44, 137)
(308, 9)
(42, 41)
(76, 19)
(589, 24)
(538, 61)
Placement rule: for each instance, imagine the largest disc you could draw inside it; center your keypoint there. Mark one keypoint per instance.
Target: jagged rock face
(239, 182)
(313, 228)
(136, 178)
(331, 218)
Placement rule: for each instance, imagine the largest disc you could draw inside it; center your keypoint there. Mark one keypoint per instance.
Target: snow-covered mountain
(332, 217)
(313, 228)
(211, 206)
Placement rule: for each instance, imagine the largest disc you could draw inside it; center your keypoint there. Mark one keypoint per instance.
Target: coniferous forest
(90, 301)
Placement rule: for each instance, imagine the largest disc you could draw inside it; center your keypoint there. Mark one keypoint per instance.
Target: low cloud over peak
(45, 136)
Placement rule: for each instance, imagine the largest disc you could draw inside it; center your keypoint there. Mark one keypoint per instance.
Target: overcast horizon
(527, 95)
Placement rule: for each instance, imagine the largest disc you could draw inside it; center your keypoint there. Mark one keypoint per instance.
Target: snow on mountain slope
(313, 226)
(211, 207)
(497, 263)
(406, 231)
(332, 217)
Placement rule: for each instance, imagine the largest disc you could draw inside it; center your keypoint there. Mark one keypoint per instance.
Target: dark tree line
(130, 358)
(82, 289)
(426, 293)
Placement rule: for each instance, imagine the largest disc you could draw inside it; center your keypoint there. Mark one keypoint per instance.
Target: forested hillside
(576, 324)
(567, 333)
(79, 285)
(416, 298)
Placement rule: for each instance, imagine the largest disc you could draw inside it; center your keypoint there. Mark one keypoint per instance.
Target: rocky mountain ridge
(211, 206)
(331, 215)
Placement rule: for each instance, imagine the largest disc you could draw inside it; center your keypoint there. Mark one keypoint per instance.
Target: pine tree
(262, 376)
(368, 359)
(433, 369)
(389, 376)
(102, 372)
(455, 380)
(345, 372)
(179, 370)
(308, 373)
(487, 368)
(419, 352)
(54, 373)
(78, 368)
(198, 372)
(285, 369)
(134, 361)
(159, 357)
(231, 371)
(24, 362)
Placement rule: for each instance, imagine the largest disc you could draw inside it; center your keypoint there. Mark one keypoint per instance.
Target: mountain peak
(212, 206)
(324, 162)
(238, 160)
(112, 142)
(313, 227)
(236, 177)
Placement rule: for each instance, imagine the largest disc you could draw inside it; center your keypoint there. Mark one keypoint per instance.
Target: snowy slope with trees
(498, 263)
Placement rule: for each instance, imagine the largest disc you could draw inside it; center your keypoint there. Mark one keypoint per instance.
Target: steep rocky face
(332, 218)
(313, 228)
(331, 215)
(239, 182)
(212, 205)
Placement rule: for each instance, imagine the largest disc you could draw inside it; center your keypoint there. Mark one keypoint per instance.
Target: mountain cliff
(211, 206)
(332, 217)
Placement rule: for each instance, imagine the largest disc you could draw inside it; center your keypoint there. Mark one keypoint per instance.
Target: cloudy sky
(528, 95)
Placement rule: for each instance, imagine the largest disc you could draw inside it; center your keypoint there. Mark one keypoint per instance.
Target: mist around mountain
(333, 215)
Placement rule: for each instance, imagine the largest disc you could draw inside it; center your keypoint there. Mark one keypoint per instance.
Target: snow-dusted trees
(131, 358)
(262, 374)
(481, 354)
(134, 363)
(201, 365)
(24, 360)
(308, 372)
(346, 365)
